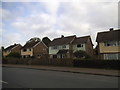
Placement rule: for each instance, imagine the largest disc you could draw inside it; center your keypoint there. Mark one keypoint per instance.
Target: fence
(111, 64)
(43, 61)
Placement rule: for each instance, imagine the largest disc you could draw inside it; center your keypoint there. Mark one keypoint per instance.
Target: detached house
(83, 43)
(64, 47)
(11, 49)
(109, 44)
(34, 48)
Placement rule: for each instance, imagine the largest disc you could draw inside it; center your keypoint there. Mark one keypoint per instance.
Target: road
(31, 78)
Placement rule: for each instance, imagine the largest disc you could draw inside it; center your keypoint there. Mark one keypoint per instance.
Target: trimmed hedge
(110, 64)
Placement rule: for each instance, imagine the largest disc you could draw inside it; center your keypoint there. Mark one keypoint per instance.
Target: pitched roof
(81, 40)
(108, 36)
(62, 40)
(30, 44)
(10, 47)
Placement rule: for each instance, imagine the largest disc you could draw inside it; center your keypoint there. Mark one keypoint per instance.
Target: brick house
(34, 48)
(64, 47)
(11, 49)
(109, 44)
(83, 43)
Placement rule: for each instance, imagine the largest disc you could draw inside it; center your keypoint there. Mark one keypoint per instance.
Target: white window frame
(81, 45)
(64, 46)
(110, 43)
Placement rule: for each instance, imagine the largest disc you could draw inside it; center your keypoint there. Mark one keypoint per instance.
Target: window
(54, 47)
(64, 46)
(79, 45)
(110, 43)
(24, 50)
(118, 43)
(54, 56)
(111, 56)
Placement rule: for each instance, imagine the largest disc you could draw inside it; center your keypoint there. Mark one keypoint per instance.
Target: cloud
(52, 6)
(54, 19)
(86, 18)
(11, 38)
(7, 15)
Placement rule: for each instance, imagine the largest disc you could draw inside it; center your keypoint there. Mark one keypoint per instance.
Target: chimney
(62, 36)
(111, 29)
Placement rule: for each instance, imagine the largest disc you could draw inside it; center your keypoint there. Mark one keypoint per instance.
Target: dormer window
(111, 43)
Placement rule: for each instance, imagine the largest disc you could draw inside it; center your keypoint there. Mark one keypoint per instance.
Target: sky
(22, 20)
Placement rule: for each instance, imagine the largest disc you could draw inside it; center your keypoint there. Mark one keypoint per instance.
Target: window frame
(110, 43)
(63, 46)
(81, 45)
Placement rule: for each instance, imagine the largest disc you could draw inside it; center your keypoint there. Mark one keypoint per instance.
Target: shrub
(81, 54)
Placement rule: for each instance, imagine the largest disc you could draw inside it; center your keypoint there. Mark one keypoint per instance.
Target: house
(109, 44)
(83, 43)
(34, 48)
(64, 47)
(11, 49)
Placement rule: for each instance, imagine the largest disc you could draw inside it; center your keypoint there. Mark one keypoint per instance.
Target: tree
(46, 40)
(14, 54)
(81, 54)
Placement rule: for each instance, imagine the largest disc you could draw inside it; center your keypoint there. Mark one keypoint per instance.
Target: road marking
(3, 82)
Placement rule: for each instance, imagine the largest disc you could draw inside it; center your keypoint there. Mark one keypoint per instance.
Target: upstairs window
(29, 49)
(54, 47)
(24, 50)
(111, 43)
(64, 46)
(79, 45)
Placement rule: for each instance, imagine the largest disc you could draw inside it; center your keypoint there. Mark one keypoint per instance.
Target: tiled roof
(62, 40)
(30, 44)
(10, 47)
(81, 40)
(108, 36)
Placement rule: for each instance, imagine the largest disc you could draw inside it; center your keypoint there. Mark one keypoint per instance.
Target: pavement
(93, 71)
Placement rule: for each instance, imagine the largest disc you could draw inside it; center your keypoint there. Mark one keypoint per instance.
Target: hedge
(110, 64)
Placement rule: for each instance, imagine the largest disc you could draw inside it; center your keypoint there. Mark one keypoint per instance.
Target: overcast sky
(53, 18)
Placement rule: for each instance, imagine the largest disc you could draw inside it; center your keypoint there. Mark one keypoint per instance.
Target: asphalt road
(31, 78)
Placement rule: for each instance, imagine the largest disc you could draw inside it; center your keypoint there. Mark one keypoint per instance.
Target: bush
(81, 54)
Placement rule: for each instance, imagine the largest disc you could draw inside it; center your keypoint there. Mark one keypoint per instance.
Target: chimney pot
(111, 29)
(62, 36)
